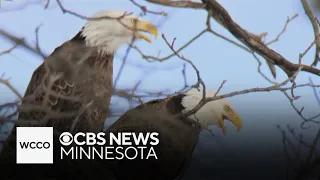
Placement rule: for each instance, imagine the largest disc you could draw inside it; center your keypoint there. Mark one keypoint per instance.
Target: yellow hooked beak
(234, 118)
(145, 26)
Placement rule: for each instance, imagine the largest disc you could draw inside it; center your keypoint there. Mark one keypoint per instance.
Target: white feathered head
(108, 34)
(213, 112)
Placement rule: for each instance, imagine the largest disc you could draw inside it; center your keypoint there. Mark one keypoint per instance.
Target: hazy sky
(216, 59)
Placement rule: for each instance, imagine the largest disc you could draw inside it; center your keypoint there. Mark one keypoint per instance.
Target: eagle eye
(226, 108)
(134, 21)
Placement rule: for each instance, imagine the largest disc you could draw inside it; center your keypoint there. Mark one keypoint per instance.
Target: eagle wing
(52, 90)
(177, 139)
(57, 93)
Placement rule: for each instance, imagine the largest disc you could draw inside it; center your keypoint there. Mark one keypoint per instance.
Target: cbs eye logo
(66, 138)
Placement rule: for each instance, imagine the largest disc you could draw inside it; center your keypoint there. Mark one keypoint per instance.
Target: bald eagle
(73, 87)
(178, 134)
(85, 66)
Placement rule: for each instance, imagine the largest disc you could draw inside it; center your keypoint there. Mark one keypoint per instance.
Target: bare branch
(13, 89)
(9, 50)
(200, 81)
(314, 91)
(316, 31)
(21, 41)
(47, 4)
(147, 57)
(145, 10)
(252, 41)
(64, 10)
(37, 38)
(283, 30)
(178, 4)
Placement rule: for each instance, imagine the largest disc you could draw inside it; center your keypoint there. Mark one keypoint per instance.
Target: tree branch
(178, 4)
(252, 41)
(316, 32)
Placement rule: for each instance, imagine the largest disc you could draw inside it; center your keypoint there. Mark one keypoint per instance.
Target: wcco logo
(34, 145)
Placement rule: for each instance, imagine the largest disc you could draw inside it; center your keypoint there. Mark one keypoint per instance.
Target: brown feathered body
(70, 91)
(75, 83)
(178, 136)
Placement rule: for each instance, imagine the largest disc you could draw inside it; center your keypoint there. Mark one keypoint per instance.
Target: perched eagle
(80, 72)
(178, 134)
(73, 87)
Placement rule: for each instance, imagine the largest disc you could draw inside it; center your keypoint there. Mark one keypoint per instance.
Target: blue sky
(216, 59)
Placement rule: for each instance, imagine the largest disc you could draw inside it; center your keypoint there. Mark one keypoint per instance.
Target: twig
(47, 4)
(37, 38)
(145, 9)
(9, 50)
(246, 91)
(13, 89)
(283, 30)
(200, 81)
(147, 57)
(315, 91)
(316, 32)
(21, 42)
(64, 10)
(124, 60)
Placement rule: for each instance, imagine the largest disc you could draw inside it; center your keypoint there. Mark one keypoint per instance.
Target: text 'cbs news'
(35, 145)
